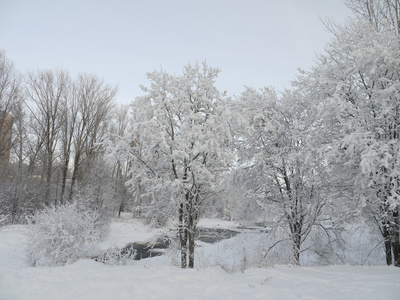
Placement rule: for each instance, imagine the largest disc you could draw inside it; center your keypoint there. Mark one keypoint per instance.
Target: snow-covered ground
(156, 278)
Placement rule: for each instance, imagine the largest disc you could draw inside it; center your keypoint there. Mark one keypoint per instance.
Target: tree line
(57, 123)
(309, 159)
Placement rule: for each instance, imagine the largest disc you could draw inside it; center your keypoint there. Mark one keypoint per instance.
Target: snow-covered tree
(281, 166)
(118, 128)
(179, 144)
(355, 86)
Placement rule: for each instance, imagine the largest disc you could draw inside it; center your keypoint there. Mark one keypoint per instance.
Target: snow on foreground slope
(87, 279)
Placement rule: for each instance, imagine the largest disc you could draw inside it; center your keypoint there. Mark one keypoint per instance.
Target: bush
(117, 256)
(61, 235)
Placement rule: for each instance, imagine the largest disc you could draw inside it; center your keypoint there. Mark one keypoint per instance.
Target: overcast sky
(255, 43)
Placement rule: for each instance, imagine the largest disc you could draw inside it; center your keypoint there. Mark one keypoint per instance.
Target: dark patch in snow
(133, 251)
(142, 251)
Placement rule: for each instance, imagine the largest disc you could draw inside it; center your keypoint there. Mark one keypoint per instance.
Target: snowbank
(87, 279)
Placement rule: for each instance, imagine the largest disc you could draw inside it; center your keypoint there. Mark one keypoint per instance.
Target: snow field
(155, 278)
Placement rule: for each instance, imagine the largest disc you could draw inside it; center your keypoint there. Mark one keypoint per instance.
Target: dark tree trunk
(296, 241)
(396, 238)
(192, 230)
(74, 174)
(386, 229)
(121, 207)
(388, 244)
(49, 166)
(183, 235)
(388, 252)
(396, 251)
(64, 180)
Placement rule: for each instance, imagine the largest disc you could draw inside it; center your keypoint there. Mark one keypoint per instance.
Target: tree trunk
(396, 238)
(296, 240)
(49, 168)
(184, 249)
(121, 207)
(388, 244)
(64, 180)
(74, 173)
(396, 250)
(192, 231)
(182, 236)
(386, 216)
(388, 252)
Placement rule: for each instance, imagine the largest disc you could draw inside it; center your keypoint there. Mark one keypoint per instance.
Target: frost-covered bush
(354, 244)
(246, 250)
(118, 256)
(61, 235)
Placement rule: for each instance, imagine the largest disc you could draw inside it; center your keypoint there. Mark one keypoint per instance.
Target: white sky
(255, 43)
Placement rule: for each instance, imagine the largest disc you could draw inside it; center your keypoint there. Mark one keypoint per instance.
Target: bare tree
(10, 101)
(380, 13)
(68, 125)
(95, 102)
(45, 93)
(9, 97)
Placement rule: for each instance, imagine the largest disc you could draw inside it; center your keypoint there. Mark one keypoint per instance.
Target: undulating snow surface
(155, 278)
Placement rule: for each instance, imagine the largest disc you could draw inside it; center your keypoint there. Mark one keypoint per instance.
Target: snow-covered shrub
(246, 250)
(361, 244)
(61, 235)
(117, 256)
(354, 244)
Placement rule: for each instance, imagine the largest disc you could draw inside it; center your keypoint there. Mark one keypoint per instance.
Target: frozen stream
(205, 235)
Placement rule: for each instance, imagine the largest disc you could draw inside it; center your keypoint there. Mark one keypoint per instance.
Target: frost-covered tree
(355, 86)
(179, 145)
(118, 128)
(281, 167)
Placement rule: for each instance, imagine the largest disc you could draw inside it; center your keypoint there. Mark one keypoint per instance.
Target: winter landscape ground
(158, 278)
